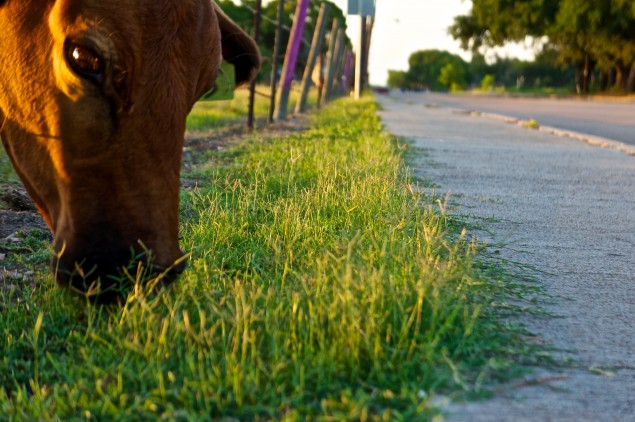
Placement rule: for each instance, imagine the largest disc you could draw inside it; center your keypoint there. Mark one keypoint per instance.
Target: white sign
(361, 7)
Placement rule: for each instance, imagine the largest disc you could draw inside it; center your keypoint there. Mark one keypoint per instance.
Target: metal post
(274, 61)
(291, 57)
(367, 40)
(359, 59)
(252, 86)
(316, 46)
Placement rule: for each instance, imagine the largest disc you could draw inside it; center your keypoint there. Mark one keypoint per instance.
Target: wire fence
(328, 65)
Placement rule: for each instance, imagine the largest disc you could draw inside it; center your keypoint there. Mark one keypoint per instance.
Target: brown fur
(102, 160)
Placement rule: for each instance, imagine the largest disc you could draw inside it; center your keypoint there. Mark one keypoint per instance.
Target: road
(611, 119)
(564, 208)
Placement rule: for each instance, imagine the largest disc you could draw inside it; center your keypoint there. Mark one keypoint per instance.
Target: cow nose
(108, 277)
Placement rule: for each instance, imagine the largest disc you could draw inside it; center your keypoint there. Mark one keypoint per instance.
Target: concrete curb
(597, 141)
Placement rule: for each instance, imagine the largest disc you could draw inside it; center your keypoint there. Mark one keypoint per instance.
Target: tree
(585, 33)
(488, 82)
(426, 66)
(396, 79)
(452, 76)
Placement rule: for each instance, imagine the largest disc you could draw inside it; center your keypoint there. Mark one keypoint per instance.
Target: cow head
(93, 100)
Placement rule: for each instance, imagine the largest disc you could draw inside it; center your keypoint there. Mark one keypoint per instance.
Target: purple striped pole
(291, 57)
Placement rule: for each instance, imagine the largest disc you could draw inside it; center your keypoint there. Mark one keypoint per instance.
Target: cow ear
(238, 48)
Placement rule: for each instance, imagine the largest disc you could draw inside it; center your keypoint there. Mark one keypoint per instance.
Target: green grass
(6, 171)
(210, 115)
(322, 286)
(527, 91)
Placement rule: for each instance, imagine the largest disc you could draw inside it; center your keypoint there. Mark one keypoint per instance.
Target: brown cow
(93, 100)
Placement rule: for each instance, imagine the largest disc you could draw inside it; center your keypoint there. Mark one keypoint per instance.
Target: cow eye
(85, 62)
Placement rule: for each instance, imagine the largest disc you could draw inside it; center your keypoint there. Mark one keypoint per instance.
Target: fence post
(252, 85)
(274, 61)
(316, 46)
(347, 72)
(291, 58)
(318, 78)
(337, 59)
(328, 78)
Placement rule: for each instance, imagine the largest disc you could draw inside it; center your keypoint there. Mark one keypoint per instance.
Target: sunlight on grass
(322, 286)
(208, 115)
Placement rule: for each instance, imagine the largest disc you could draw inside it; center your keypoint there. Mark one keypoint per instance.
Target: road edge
(596, 141)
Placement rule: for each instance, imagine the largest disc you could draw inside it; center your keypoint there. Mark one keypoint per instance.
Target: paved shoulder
(566, 208)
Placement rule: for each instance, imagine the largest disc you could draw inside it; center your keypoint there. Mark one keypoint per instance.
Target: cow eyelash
(84, 61)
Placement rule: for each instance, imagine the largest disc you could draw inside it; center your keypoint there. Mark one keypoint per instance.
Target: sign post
(363, 8)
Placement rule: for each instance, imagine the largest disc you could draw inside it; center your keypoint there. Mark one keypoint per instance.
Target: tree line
(594, 37)
(443, 71)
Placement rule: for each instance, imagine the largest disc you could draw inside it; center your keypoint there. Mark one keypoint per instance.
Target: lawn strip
(322, 285)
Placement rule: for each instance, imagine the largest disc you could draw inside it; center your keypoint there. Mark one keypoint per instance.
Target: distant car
(381, 90)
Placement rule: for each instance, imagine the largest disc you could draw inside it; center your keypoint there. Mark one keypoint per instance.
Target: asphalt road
(611, 119)
(564, 208)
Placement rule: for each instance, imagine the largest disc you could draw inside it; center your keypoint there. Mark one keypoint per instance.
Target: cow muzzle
(108, 273)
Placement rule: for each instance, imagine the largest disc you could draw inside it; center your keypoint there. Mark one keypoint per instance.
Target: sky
(405, 26)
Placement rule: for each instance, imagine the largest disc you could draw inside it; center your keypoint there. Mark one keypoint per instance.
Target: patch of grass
(531, 124)
(322, 286)
(7, 175)
(209, 115)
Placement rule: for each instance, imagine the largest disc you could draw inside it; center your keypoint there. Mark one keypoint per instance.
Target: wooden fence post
(337, 52)
(274, 61)
(291, 58)
(347, 72)
(316, 47)
(339, 65)
(252, 85)
(328, 78)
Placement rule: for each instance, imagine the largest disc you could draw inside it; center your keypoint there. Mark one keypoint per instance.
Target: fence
(329, 63)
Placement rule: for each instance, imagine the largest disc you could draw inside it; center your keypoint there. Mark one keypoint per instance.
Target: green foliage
(396, 79)
(488, 82)
(453, 77)
(6, 170)
(587, 34)
(426, 67)
(322, 285)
